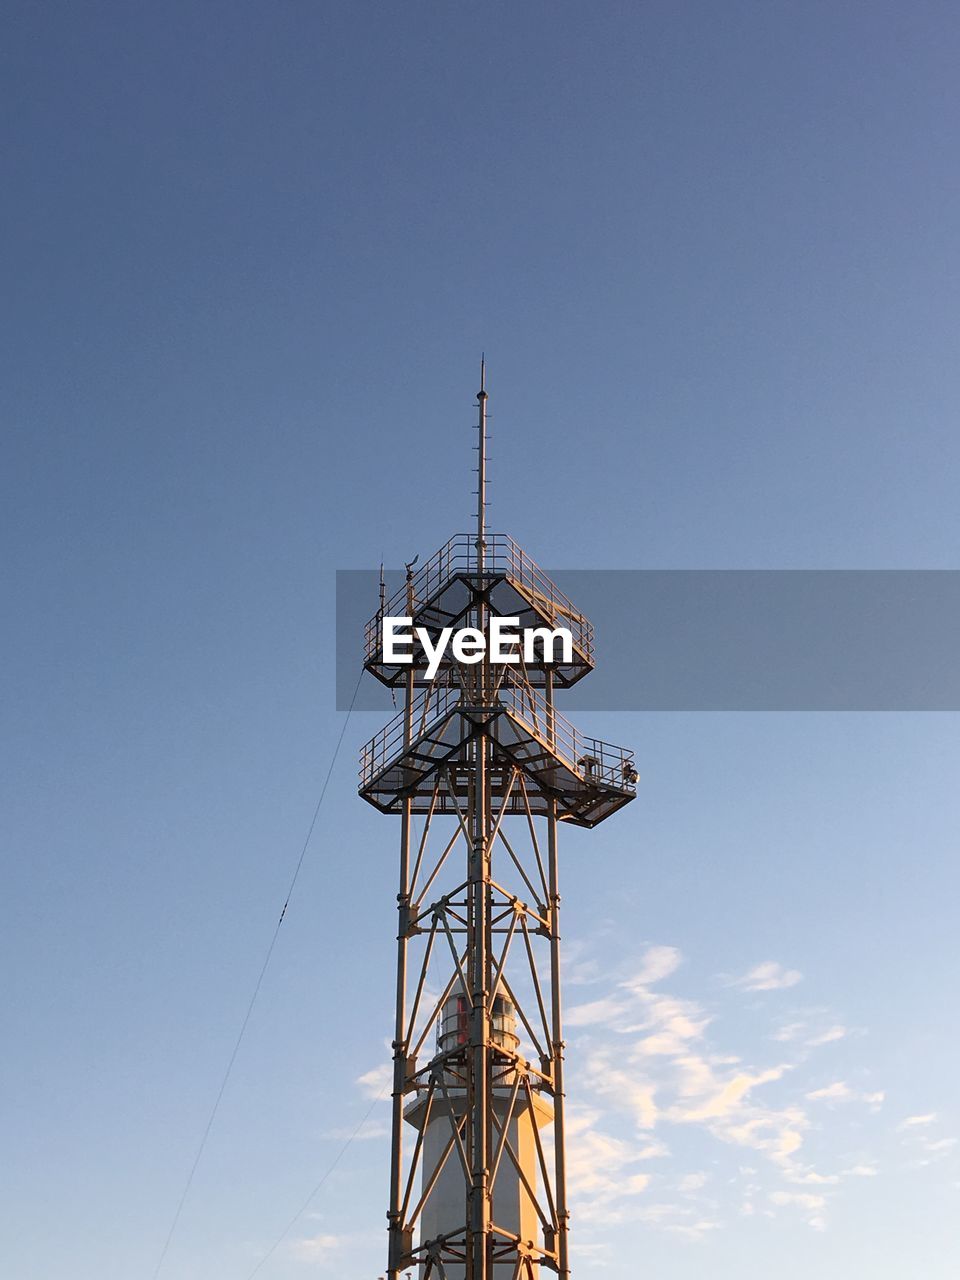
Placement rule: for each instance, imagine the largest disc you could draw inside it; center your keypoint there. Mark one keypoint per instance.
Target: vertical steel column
(556, 1029)
(479, 1094)
(399, 1246)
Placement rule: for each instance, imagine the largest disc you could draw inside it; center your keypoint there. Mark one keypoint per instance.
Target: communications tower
(482, 770)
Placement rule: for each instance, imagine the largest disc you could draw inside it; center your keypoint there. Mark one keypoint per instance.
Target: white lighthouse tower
(514, 1177)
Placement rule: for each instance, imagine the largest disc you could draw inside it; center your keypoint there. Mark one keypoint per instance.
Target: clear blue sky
(250, 255)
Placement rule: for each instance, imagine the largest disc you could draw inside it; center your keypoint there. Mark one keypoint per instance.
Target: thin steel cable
(256, 990)
(306, 1204)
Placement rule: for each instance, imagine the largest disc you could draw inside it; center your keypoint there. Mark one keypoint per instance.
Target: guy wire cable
(330, 1168)
(256, 990)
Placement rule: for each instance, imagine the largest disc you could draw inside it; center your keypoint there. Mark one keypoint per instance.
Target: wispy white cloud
(767, 976)
(316, 1249)
(916, 1122)
(832, 1034)
(804, 1199)
(670, 1023)
(840, 1091)
(605, 1011)
(678, 1219)
(810, 1178)
(625, 1090)
(692, 1182)
(811, 1031)
(376, 1082)
(667, 1075)
(811, 1205)
(580, 969)
(923, 1138)
(653, 1062)
(723, 1099)
(938, 1146)
(658, 962)
(602, 1169)
(789, 1032)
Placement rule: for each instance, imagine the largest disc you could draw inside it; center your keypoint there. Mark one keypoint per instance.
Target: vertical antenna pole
(482, 467)
(479, 940)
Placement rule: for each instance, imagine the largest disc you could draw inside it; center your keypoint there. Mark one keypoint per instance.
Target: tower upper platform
(511, 584)
(424, 756)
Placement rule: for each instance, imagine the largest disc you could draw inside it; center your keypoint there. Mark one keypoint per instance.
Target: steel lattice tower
(477, 1179)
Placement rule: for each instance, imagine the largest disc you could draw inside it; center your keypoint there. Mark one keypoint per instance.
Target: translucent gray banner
(733, 640)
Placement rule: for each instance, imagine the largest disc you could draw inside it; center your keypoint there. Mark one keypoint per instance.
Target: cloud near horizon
(650, 1071)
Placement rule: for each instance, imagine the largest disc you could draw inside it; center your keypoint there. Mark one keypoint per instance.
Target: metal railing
(590, 758)
(502, 556)
(429, 705)
(593, 759)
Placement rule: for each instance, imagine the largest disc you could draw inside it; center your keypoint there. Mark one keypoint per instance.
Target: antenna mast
(482, 466)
